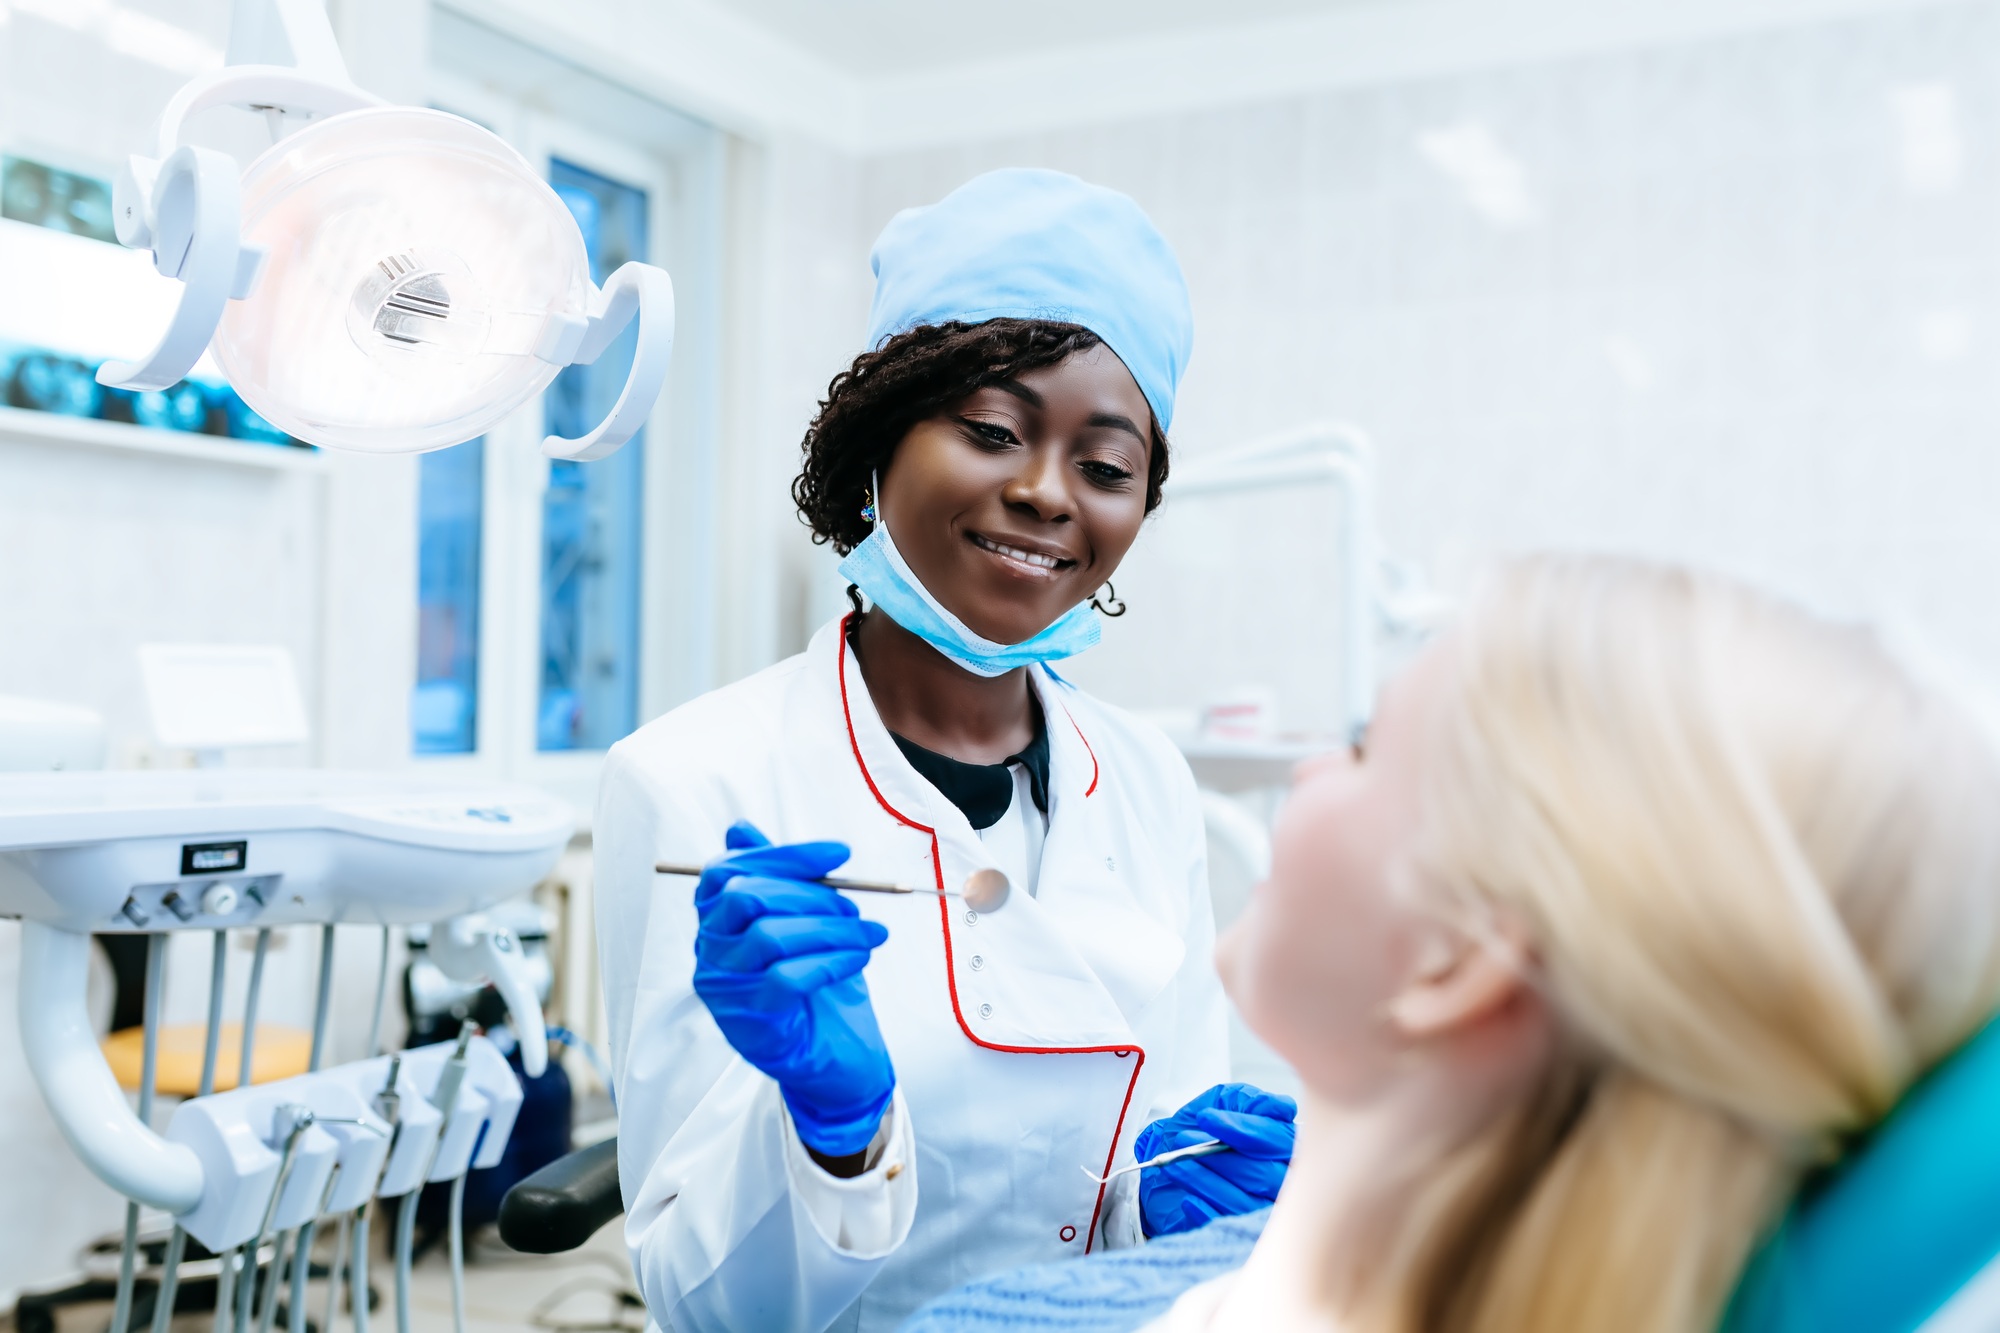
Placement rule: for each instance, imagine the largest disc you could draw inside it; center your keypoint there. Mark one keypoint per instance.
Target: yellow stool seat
(281, 1052)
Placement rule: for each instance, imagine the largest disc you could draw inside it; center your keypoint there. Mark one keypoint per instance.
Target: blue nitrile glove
(1194, 1191)
(778, 962)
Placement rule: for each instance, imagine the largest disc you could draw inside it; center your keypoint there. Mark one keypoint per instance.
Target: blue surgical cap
(1029, 244)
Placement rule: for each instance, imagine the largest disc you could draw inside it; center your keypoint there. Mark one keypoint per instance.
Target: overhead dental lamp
(385, 279)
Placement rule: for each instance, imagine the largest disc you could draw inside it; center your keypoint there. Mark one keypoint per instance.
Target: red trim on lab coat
(944, 920)
(1091, 790)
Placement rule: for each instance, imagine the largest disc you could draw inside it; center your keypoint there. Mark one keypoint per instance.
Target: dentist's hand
(778, 962)
(1194, 1191)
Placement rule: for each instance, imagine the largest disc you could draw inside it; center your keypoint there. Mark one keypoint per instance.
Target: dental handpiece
(296, 1120)
(445, 1098)
(1207, 1149)
(388, 1104)
(445, 1095)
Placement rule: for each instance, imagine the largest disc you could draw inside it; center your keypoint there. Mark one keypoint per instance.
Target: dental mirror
(986, 890)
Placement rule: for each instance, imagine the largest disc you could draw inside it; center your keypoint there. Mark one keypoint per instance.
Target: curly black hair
(871, 406)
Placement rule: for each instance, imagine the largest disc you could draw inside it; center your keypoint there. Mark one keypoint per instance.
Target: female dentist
(803, 1148)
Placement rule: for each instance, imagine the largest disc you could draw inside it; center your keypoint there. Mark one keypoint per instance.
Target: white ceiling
(880, 76)
(877, 37)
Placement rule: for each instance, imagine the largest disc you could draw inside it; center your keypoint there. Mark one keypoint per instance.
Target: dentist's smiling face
(1015, 504)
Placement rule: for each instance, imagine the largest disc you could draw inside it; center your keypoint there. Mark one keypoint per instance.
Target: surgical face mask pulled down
(880, 571)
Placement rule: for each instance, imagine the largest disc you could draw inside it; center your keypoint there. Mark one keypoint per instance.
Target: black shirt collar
(982, 792)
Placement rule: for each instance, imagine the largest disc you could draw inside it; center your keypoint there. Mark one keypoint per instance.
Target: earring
(1108, 602)
(867, 505)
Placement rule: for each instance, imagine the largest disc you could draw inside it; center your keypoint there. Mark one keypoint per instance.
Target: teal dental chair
(1903, 1235)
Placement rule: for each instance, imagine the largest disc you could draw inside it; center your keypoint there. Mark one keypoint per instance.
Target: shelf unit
(1237, 766)
(21, 426)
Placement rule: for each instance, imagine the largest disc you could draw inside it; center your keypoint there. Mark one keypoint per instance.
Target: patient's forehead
(1409, 701)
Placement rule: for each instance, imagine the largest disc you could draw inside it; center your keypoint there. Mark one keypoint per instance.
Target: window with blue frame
(444, 712)
(591, 541)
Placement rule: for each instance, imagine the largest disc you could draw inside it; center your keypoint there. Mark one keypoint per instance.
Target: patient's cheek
(1228, 955)
(1311, 965)
(1254, 974)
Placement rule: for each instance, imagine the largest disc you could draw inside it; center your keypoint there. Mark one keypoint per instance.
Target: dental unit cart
(254, 849)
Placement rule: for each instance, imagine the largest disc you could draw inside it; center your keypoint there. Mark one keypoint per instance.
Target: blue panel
(591, 536)
(444, 712)
(41, 380)
(45, 196)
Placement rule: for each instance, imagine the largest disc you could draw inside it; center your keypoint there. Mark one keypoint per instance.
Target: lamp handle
(192, 226)
(635, 291)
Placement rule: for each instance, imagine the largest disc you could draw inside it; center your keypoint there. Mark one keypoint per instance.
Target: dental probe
(985, 890)
(1208, 1149)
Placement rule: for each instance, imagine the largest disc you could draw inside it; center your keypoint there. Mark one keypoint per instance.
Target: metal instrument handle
(831, 881)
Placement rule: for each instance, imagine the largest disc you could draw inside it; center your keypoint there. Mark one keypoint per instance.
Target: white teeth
(1035, 558)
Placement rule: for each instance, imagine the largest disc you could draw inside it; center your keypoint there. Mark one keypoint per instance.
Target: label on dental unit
(208, 858)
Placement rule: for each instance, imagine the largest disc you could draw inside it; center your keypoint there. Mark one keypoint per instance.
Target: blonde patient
(1646, 891)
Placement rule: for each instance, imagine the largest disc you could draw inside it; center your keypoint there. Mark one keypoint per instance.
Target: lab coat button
(1068, 1234)
(971, 917)
(977, 962)
(986, 1011)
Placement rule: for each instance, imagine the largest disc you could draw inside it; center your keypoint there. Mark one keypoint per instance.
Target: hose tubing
(121, 1310)
(457, 1234)
(170, 1267)
(406, 1236)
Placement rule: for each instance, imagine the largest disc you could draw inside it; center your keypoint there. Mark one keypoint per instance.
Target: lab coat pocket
(1019, 983)
(1133, 955)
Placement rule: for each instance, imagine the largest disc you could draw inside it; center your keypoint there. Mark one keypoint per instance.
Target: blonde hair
(1760, 866)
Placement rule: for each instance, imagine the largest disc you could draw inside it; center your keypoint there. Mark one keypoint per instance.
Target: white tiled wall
(1736, 307)
(814, 314)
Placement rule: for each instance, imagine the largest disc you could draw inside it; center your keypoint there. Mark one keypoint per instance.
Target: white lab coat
(1027, 1043)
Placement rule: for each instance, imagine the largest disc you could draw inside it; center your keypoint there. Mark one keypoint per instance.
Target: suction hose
(78, 1086)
